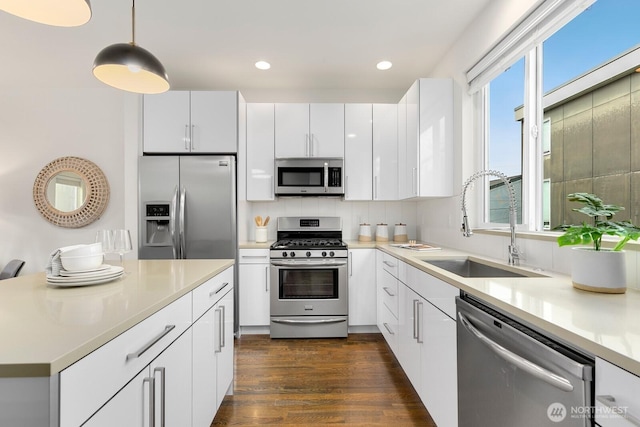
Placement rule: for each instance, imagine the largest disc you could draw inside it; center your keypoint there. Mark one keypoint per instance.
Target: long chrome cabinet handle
(419, 322)
(307, 322)
(266, 279)
(415, 319)
(520, 362)
(223, 328)
(391, 294)
(150, 344)
(312, 145)
(186, 138)
(213, 293)
(621, 411)
(163, 399)
(389, 264)
(217, 344)
(388, 329)
(254, 257)
(152, 393)
(191, 136)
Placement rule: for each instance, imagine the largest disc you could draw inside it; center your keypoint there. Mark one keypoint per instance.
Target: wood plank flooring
(353, 381)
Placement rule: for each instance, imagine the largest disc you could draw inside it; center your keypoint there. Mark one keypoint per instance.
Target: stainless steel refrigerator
(187, 207)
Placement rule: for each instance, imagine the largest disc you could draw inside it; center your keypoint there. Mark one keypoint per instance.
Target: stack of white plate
(102, 274)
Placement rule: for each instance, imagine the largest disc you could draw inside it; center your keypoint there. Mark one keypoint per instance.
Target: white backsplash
(352, 214)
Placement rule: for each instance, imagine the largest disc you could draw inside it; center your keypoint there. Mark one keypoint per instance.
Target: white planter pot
(599, 271)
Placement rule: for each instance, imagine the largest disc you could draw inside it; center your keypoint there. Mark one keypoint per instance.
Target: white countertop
(44, 329)
(605, 325)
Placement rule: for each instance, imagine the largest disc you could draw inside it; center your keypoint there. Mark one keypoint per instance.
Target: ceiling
(312, 45)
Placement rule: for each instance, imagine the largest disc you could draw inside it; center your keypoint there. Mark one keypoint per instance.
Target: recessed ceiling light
(384, 65)
(263, 65)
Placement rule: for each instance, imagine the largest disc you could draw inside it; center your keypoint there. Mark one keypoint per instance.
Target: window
(571, 122)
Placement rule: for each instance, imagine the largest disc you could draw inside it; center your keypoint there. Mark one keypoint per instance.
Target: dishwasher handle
(520, 362)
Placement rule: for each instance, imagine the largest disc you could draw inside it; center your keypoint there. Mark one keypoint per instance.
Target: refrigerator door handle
(183, 208)
(173, 210)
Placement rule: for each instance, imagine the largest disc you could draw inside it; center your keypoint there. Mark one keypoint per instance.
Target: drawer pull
(389, 264)
(621, 411)
(218, 325)
(389, 329)
(152, 394)
(162, 393)
(213, 293)
(150, 344)
(255, 256)
(391, 294)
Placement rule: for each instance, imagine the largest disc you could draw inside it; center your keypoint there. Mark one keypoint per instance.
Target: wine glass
(106, 238)
(122, 243)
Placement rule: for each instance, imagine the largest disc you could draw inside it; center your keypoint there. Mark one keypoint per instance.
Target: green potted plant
(598, 269)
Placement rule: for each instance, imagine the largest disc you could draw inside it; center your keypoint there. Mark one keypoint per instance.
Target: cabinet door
(409, 165)
(173, 379)
(358, 151)
(260, 151)
(410, 344)
(616, 397)
(204, 370)
(292, 130)
(166, 122)
(254, 295)
(385, 151)
(131, 406)
(214, 121)
(439, 384)
(436, 138)
(362, 287)
(224, 347)
(403, 188)
(326, 130)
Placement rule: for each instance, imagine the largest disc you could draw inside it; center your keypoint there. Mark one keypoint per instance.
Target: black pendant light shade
(60, 13)
(129, 67)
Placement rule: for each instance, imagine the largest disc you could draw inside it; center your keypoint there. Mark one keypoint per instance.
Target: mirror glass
(66, 191)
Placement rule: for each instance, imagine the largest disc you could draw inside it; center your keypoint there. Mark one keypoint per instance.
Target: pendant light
(129, 67)
(61, 13)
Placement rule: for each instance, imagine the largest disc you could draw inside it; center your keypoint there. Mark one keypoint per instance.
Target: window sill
(551, 236)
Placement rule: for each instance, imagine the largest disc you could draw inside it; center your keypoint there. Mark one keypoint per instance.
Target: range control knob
(324, 253)
(284, 254)
(293, 254)
(308, 253)
(331, 253)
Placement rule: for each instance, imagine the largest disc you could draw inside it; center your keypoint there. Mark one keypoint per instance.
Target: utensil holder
(261, 234)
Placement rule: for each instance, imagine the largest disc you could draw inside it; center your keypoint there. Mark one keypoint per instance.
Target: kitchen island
(47, 332)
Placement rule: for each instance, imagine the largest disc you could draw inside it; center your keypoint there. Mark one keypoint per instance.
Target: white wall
(38, 126)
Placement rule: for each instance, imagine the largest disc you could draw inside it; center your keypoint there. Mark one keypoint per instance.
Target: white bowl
(81, 250)
(81, 262)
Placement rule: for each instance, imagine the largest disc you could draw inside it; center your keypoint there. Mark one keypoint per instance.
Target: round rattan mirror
(71, 192)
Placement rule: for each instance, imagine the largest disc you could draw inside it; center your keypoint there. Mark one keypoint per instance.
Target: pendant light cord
(133, 22)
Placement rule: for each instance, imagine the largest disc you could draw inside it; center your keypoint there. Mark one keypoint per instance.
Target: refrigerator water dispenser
(157, 221)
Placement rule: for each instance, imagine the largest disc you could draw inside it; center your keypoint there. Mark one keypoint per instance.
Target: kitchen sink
(466, 267)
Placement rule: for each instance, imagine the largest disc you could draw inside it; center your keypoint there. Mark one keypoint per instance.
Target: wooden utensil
(266, 221)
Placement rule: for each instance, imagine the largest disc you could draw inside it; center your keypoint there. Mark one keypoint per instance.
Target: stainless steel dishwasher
(509, 375)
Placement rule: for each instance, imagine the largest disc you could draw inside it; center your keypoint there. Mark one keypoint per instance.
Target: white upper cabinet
(385, 152)
(260, 151)
(309, 130)
(358, 151)
(425, 162)
(191, 122)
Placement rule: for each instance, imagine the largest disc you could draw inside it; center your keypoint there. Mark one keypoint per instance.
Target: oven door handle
(308, 322)
(520, 362)
(296, 263)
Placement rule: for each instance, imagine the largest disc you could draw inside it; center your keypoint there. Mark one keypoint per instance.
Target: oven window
(300, 177)
(309, 284)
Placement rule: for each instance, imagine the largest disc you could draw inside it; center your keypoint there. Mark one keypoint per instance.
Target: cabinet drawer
(87, 384)
(390, 265)
(388, 291)
(388, 325)
(210, 292)
(253, 256)
(617, 394)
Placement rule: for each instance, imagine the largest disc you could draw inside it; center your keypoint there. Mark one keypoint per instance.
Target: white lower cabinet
(173, 368)
(362, 287)
(414, 318)
(617, 392)
(254, 292)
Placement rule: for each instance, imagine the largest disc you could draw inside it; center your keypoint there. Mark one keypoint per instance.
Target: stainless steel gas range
(309, 279)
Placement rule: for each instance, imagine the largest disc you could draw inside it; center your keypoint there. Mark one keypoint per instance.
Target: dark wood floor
(313, 382)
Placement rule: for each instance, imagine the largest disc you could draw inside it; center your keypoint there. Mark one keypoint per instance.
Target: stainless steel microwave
(314, 176)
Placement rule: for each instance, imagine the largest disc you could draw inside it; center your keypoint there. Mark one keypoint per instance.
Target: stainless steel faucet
(514, 252)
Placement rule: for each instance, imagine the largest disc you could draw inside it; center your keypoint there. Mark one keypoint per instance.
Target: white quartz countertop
(44, 329)
(604, 325)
